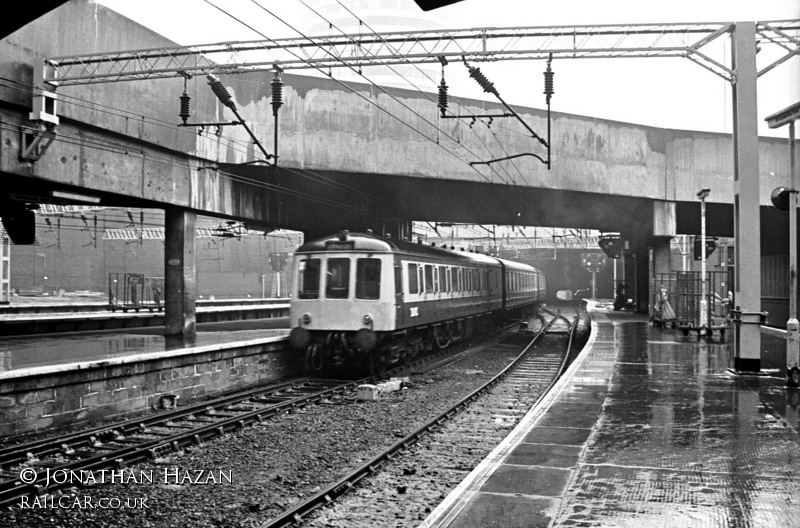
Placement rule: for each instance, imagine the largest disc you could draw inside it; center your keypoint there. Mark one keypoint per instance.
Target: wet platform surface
(20, 355)
(649, 429)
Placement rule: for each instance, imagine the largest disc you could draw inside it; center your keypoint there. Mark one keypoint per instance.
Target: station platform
(39, 318)
(25, 356)
(51, 382)
(647, 428)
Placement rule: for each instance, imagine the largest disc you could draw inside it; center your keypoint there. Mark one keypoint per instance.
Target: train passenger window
(413, 279)
(308, 279)
(457, 280)
(368, 278)
(337, 285)
(429, 278)
(436, 272)
(448, 283)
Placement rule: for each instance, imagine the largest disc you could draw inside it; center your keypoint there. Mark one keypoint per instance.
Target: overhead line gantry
(688, 41)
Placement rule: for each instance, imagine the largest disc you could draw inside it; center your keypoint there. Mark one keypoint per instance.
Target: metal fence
(134, 291)
(677, 299)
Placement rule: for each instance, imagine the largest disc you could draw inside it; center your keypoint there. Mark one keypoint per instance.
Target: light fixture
(75, 197)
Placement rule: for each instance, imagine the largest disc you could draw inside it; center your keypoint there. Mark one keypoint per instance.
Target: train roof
(369, 242)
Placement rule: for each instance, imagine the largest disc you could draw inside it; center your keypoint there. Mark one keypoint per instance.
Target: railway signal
(611, 245)
(593, 263)
(711, 245)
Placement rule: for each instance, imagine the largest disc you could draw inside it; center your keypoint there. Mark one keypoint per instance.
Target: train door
(503, 284)
(399, 309)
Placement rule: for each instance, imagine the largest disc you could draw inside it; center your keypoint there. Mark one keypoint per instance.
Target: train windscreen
(308, 279)
(337, 281)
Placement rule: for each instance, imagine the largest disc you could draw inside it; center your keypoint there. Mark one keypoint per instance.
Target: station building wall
(78, 258)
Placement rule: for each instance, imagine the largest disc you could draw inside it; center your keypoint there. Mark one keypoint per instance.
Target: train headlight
(306, 318)
(367, 319)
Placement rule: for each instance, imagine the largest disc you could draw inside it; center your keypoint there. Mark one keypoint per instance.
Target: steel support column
(180, 270)
(747, 223)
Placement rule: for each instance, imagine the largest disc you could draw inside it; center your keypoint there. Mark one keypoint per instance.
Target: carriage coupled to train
(361, 299)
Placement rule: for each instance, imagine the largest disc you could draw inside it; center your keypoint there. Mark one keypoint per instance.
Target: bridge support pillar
(747, 220)
(180, 272)
(664, 229)
(660, 265)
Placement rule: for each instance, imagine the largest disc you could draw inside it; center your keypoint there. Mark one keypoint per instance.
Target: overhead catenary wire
(424, 73)
(356, 45)
(237, 146)
(162, 123)
(343, 84)
(451, 153)
(132, 149)
(331, 25)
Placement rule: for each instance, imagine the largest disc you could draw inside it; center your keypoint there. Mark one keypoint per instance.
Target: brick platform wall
(40, 402)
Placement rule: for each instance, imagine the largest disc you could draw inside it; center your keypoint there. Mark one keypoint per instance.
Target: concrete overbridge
(357, 156)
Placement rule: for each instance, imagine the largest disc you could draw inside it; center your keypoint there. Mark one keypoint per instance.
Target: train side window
(436, 272)
(449, 282)
(337, 283)
(429, 278)
(368, 278)
(413, 279)
(308, 279)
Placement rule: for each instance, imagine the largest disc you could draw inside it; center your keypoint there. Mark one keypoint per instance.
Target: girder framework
(690, 41)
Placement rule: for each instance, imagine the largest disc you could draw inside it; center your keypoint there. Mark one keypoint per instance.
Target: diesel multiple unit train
(373, 301)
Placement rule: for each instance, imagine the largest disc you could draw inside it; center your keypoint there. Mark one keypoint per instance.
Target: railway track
(503, 400)
(24, 467)
(127, 443)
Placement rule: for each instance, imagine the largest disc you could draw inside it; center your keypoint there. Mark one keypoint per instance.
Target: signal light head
(611, 245)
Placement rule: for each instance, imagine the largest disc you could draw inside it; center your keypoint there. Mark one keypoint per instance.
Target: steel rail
(120, 458)
(47, 446)
(333, 491)
(113, 457)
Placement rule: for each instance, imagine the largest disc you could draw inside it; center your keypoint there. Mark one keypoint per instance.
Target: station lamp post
(703, 323)
(787, 198)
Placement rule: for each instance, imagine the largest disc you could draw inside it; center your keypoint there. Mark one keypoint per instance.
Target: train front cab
(342, 303)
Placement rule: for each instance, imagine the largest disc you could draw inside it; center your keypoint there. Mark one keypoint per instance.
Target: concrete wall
(100, 391)
(325, 126)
